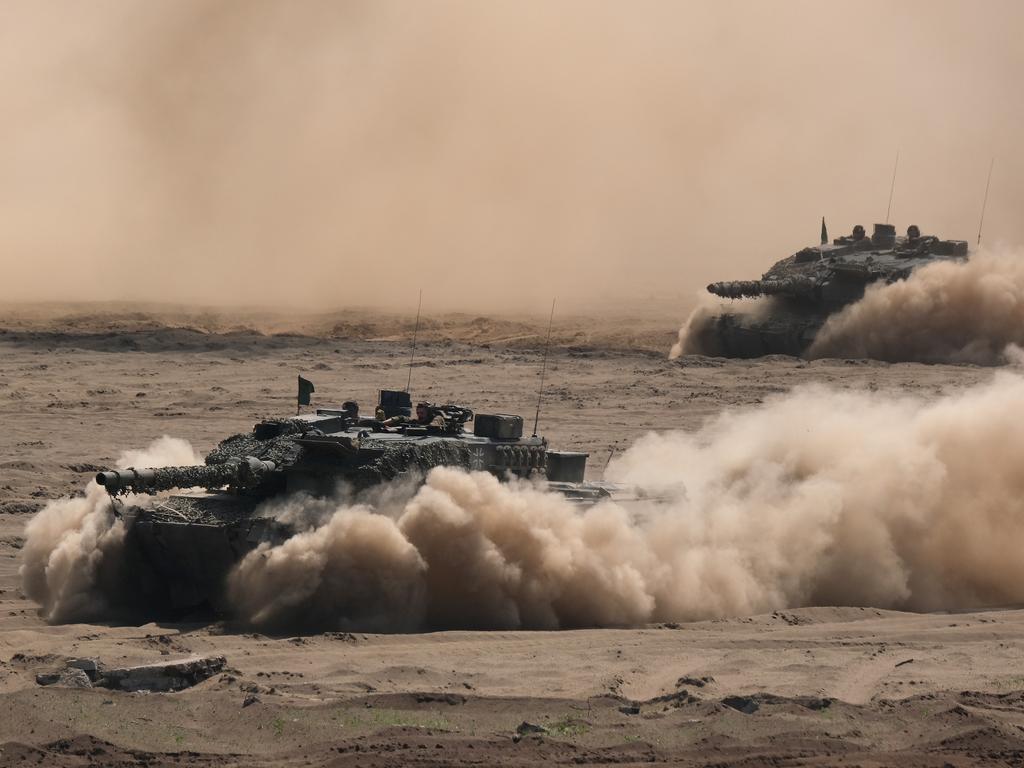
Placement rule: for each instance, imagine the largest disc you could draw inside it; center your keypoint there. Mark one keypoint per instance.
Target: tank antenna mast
(892, 186)
(984, 202)
(415, 333)
(544, 368)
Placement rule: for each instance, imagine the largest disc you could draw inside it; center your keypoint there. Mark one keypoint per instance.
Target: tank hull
(742, 336)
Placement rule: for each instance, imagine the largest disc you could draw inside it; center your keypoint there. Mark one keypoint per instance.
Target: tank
(190, 540)
(806, 288)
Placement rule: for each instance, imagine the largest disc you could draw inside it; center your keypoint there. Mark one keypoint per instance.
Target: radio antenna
(611, 455)
(985, 201)
(544, 368)
(892, 186)
(415, 332)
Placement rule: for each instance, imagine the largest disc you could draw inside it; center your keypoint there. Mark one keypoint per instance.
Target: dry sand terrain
(811, 686)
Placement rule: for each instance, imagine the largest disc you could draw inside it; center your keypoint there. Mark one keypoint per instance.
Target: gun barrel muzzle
(117, 480)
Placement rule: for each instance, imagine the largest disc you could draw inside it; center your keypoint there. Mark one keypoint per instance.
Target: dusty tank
(812, 284)
(191, 539)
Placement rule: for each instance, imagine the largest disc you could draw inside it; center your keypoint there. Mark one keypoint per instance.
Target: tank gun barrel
(736, 289)
(741, 289)
(245, 472)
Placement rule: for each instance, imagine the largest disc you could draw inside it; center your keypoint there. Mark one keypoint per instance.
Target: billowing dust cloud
(696, 334)
(946, 312)
(818, 497)
(75, 564)
(689, 332)
(466, 552)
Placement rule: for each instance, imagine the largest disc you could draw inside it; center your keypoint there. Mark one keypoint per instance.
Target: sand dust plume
(74, 561)
(692, 339)
(701, 315)
(956, 312)
(817, 498)
(467, 551)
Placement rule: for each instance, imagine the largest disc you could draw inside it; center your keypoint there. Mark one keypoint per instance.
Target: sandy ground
(815, 686)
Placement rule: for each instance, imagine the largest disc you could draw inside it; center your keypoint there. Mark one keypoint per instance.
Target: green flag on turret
(305, 390)
(824, 232)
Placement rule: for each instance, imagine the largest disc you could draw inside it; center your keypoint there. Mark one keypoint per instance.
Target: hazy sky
(494, 153)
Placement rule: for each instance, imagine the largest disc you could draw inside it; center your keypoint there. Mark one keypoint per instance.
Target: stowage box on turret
(812, 284)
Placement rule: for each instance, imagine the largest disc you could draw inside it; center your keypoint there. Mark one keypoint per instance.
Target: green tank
(804, 289)
(190, 540)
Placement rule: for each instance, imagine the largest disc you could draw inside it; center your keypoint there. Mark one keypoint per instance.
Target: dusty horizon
(495, 155)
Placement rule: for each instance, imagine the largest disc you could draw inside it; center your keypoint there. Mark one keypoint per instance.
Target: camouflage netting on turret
(190, 477)
(404, 458)
(280, 448)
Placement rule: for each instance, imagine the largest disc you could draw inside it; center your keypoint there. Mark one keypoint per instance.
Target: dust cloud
(692, 333)
(818, 497)
(955, 312)
(466, 552)
(689, 331)
(75, 565)
(334, 154)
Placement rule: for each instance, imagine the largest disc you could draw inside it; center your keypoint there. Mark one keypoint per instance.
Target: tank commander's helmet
(858, 232)
(350, 407)
(913, 232)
